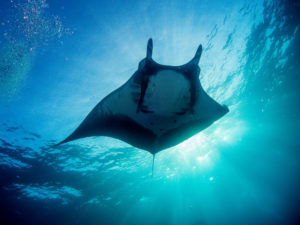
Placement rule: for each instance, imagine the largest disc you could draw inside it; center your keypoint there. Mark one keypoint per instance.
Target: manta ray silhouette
(157, 108)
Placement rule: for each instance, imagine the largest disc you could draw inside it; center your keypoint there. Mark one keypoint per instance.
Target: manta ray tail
(153, 164)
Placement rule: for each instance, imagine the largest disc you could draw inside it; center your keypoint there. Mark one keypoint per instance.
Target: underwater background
(58, 59)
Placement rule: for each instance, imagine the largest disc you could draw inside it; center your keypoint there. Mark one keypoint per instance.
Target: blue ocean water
(58, 59)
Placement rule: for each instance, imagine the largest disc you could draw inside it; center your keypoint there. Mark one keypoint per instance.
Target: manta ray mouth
(168, 93)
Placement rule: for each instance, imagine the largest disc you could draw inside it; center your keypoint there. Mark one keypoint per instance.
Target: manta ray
(159, 107)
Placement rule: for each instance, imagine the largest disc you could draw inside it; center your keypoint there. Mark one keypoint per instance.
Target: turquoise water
(59, 59)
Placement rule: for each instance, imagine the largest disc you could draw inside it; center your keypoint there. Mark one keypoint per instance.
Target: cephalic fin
(197, 56)
(149, 48)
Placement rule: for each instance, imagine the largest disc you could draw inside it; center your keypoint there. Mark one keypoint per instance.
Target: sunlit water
(60, 58)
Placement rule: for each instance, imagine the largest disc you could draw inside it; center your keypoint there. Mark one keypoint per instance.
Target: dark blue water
(60, 58)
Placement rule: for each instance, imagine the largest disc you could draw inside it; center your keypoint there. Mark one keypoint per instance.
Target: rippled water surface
(58, 59)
